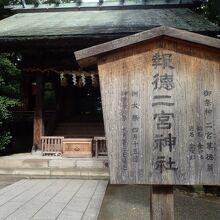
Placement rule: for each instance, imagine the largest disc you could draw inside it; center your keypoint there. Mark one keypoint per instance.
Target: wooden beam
(38, 114)
(162, 202)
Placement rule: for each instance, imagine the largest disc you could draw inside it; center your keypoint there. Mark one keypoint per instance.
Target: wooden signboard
(161, 106)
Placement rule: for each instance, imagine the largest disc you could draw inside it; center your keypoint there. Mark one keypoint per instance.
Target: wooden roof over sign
(89, 56)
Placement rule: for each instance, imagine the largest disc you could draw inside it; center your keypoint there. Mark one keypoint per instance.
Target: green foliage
(210, 9)
(9, 77)
(2, 11)
(9, 90)
(6, 106)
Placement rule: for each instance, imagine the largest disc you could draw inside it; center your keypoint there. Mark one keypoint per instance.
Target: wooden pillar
(162, 202)
(38, 114)
(57, 89)
(25, 84)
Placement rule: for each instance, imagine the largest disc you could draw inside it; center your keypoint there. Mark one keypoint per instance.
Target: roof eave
(89, 56)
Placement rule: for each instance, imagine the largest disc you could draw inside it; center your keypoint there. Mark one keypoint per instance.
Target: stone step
(53, 162)
(58, 172)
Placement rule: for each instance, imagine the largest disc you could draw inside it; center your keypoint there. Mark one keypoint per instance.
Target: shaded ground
(124, 202)
(7, 180)
(192, 208)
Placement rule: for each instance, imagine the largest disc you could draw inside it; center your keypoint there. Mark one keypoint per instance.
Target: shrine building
(61, 111)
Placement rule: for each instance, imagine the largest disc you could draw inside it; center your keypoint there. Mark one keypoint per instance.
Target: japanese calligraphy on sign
(162, 116)
(163, 84)
(124, 109)
(202, 146)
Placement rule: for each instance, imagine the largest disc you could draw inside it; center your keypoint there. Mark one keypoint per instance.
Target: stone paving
(121, 202)
(48, 199)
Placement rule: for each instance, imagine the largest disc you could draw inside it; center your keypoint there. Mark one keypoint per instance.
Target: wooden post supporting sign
(162, 202)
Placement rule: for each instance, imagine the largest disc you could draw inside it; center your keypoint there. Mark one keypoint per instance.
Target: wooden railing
(100, 146)
(52, 145)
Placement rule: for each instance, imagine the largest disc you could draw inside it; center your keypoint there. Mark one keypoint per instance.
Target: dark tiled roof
(46, 25)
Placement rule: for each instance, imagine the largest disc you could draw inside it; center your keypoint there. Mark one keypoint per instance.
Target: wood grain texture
(162, 203)
(73, 147)
(38, 113)
(132, 107)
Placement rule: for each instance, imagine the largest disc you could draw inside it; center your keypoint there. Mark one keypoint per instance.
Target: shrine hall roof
(46, 25)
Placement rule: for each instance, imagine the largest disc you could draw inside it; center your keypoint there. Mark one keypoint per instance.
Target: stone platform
(37, 165)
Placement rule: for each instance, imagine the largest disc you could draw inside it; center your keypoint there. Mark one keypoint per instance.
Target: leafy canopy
(211, 9)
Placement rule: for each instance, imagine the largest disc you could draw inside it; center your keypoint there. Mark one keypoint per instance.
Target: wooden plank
(38, 114)
(162, 203)
(161, 119)
(89, 56)
(96, 148)
(100, 146)
(52, 145)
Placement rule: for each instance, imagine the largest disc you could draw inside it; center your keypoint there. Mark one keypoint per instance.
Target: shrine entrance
(81, 99)
(68, 120)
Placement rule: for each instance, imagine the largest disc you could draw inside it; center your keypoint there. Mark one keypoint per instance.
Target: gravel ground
(126, 202)
(194, 208)
(132, 202)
